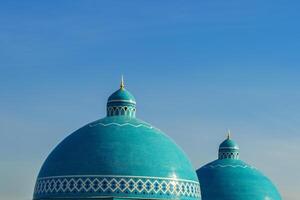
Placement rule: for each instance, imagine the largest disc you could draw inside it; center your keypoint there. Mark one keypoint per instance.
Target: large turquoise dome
(229, 178)
(118, 156)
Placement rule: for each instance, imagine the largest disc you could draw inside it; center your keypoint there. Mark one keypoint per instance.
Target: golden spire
(122, 86)
(228, 134)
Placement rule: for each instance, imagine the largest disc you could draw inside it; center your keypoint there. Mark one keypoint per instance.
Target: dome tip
(122, 85)
(228, 134)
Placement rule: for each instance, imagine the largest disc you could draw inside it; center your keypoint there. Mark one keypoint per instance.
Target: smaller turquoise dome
(121, 102)
(121, 95)
(229, 149)
(229, 178)
(229, 144)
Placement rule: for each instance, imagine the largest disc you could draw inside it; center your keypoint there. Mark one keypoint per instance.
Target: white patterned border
(121, 110)
(233, 166)
(97, 185)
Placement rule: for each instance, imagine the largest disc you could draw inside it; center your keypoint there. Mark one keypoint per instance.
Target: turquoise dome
(118, 156)
(121, 102)
(121, 95)
(229, 144)
(229, 178)
(229, 149)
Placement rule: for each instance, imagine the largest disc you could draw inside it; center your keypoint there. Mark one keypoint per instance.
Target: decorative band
(121, 100)
(127, 185)
(236, 148)
(229, 165)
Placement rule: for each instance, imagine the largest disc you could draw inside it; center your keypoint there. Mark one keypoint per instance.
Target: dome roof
(229, 144)
(229, 149)
(121, 95)
(117, 156)
(229, 178)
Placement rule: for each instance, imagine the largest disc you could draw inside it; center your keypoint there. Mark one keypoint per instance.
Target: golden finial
(122, 86)
(228, 134)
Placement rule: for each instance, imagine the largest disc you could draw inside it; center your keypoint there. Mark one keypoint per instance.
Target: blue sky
(196, 69)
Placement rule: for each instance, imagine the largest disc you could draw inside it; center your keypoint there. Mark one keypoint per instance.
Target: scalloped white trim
(125, 124)
(233, 166)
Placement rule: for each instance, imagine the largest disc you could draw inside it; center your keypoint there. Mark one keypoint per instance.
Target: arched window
(122, 111)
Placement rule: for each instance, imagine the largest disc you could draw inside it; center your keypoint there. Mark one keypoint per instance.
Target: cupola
(121, 102)
(229, 149)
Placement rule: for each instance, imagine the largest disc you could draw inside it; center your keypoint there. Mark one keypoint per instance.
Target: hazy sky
(196, 69)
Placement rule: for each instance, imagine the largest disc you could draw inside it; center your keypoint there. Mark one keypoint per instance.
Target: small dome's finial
(228, 134)
(122, 86)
